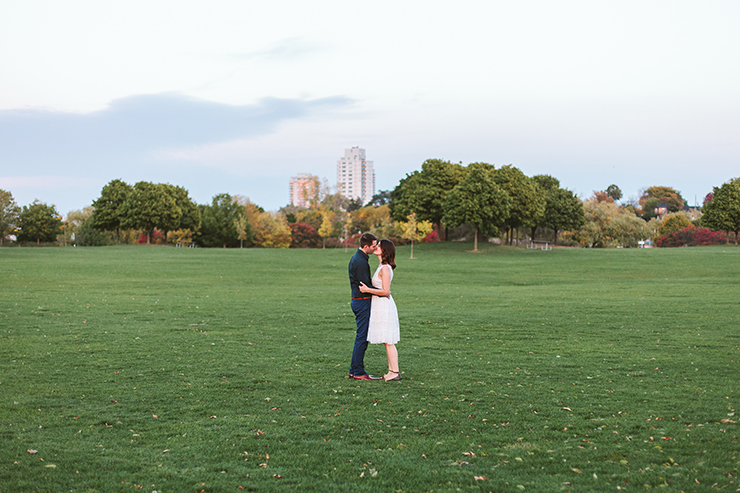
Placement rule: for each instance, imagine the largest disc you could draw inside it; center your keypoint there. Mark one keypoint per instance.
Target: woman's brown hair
(388, 253)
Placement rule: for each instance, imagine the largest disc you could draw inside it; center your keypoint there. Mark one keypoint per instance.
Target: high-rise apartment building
(303, 188)
(355, 175)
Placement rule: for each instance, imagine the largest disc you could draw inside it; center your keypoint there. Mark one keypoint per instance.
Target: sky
(238, 96)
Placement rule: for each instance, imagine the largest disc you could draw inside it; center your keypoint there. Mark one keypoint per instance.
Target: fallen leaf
(479, 478)
(469, 453)
(277, 476)
(577, 471)
(567, 409)
(33, 451)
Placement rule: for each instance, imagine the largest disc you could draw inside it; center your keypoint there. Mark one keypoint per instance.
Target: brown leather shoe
(366, 377)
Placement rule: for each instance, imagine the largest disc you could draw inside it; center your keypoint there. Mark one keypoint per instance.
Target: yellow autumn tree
(347, 229)
(272, 231)
(414, 230)
(327, 227)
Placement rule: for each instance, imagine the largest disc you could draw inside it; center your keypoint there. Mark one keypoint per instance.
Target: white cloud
(47, 182)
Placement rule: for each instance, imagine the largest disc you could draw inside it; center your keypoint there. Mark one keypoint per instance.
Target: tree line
(442, 201)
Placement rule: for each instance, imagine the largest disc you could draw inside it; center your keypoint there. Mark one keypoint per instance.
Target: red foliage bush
(157, 238)
(304, 235)
(431, 237)
(692, 236)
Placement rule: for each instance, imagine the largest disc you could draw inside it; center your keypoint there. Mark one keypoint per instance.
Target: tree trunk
(412, 249)
(555, 237)
(475, 241)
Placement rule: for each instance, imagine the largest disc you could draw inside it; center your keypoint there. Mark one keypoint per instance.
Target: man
(359, 271)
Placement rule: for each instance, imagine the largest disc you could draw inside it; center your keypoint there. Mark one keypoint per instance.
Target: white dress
(383, 326)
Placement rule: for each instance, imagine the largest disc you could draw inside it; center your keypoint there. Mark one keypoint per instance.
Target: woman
(384, 328)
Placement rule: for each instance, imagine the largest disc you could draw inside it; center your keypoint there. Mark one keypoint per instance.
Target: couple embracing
(373, 306)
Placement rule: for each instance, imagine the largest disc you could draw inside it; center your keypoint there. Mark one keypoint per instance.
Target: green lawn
(187, 370)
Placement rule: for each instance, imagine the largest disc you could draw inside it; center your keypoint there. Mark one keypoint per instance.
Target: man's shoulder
(358, 258)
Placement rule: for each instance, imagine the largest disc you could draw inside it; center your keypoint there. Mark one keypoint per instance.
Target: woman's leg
(390, 349)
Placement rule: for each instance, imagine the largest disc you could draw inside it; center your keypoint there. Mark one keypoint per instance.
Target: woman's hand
(363, 288)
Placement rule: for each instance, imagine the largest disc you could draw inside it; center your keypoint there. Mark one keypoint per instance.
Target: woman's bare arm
(386, 280)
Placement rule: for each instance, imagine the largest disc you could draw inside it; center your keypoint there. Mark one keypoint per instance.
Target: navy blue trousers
(361, 308)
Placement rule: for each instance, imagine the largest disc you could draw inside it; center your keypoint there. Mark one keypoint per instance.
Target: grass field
(179, 370)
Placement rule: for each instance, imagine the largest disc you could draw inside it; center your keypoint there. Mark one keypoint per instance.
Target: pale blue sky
(237, 96)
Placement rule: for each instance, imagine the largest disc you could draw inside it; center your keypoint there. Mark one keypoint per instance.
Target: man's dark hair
(367, 239)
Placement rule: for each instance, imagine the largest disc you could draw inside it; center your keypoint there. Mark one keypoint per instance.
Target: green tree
(80, 228)
(88, 236)
(150, 206)
(218, 223)
(9, 214)
(39, 222)
(354, 204)
(383, 197)
(672, 223)
(545, 184)
(595, 232)
(414, 230)
(563, 211)
(722, 211)
(652, 197)
(108, 208)
(477, 200)
(608, 225)
(244, 230)
(614, 192)
(424, 193)
(189, 212)
(626, 229)
(527, 200)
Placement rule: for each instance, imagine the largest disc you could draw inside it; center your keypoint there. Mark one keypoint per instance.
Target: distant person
(384, 327)
(359, 273)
